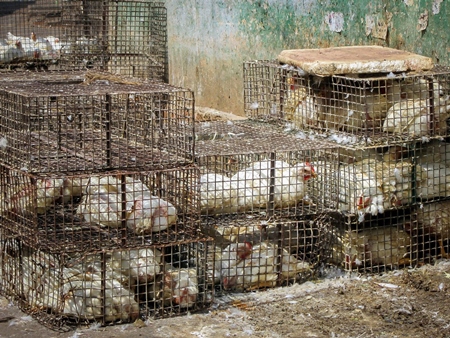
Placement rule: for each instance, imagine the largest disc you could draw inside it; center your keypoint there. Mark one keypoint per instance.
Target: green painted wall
(209, 40)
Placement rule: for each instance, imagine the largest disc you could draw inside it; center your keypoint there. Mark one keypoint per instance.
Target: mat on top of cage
(381, 106)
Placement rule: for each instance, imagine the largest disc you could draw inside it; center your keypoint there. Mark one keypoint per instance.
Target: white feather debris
(230, 123)
(254, 105)
(3, 143)
(388, 285)
(391, 75)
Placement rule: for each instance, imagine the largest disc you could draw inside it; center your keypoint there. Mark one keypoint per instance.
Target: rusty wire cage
(99, 122)
(267, 254)
(385, 106)
(125, 37)
(379, 243)
(261, 178)
(368, 180)
(431, 227)
(101, 210)
(60, 288)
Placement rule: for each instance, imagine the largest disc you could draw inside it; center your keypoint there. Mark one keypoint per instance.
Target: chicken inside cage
(252, 254)
(256, 186)
(408, 104)
(432, 229)
(93, 201)
(376, 247)
(372, 179)
(110, 286)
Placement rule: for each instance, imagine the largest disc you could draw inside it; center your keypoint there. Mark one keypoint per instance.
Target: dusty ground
(405, 303)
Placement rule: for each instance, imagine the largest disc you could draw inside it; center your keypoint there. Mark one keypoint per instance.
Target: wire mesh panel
(259, 255)
(401, 105)
(368, 180)
(431, 228)
(261, 177)
(377, 244)
(112, 286)
(127, 37)
(100, 210)
(102, 122)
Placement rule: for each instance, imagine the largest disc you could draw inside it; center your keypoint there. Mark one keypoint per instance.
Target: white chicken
(382, 246)
(76, 291)
(11, 52)
(180, 287)
(136, 266)
(144, 213)
(217, 194)
(289, 182)
(245, 267)
(356, 189)
(34, 198)
(413, 117)
(301, 107)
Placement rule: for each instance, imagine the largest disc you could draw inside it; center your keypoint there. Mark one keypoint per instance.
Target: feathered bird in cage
(256, 267)
(353, 112)
(301, 106)
(180, 287)
(144, 213)
(381, 246)
(136, 266)
(77, 290)
(289, 182)
(414, 116)
(11, 52)
(434, 151)
(37, 197)
(217, 194)
(357, 190)
(434, 220)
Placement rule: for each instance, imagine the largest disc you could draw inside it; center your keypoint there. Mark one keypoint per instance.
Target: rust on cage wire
(379, 243)
(87, 211)
(260, 255)
(108, 286)
(266, 177)
(123, 37)
(99, 122)
(401, 106)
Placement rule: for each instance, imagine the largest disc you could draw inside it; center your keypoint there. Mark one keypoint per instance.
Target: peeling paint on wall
(376, 27)
(408, 2)
(209, 40)
(335, 21)
(436, 6)
(423, 21)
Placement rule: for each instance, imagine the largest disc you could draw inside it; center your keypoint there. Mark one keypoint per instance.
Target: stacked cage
(391, 134)
(99, 193)
(122, 37)
(259, 201)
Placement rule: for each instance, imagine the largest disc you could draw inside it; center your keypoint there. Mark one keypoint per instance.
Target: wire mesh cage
(125, 37)
(98, 123)
(379, 243)
(400, 105)
(109, 286)
(100, 210)
(266, 254)
(368, 180)
(431, 228)
(265, 177)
